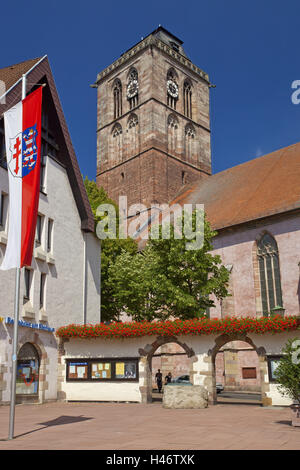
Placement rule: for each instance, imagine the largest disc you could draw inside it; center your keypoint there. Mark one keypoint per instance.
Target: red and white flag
(22, 124)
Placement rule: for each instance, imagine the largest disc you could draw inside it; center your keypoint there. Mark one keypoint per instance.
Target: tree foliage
(168, 281)
(287, 372)
(110, 250)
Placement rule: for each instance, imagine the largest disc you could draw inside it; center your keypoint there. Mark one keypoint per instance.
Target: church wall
(236, 247)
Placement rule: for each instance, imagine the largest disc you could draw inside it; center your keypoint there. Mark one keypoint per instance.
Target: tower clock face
(172, 88)
(132, 89)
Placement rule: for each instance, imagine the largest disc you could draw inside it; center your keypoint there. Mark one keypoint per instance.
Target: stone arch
(34, 338)
(220, 341)
(147, 353)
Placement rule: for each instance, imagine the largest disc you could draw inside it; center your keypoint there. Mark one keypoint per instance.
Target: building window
(133, 88)
(132, 135)
(187, 99)
(273, 362)
(103, 370)
(3, 161)
(39, 229)
(172, 133)
(28, 280)
(249, 372)
(117, 143)
(42, 290)
(189, 142)
(117, 89)
(43, 173)
(3, 210)
(49, 147)
(269, 272)
(50, 235)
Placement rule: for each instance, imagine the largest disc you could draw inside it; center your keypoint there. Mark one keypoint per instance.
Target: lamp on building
(278, 310)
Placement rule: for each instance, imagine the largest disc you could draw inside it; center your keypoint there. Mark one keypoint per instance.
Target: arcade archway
(244, 368)
(152, 352)
(28, 365)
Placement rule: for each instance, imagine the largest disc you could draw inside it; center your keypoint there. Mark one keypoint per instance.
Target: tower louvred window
(117, 99)
(187, 99)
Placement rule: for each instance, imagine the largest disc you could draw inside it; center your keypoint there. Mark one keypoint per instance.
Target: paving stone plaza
(121, 426)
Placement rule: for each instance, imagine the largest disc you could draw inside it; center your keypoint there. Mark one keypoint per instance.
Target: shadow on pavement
(287, 423)
(57, 422)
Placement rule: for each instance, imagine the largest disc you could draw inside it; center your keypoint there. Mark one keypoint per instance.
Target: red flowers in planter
(197, 326)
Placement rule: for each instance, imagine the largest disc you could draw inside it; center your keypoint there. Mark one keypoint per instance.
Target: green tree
(167, 280)
(287, 372)
(110, 250)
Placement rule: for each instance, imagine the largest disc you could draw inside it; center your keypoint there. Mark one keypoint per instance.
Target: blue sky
(249, 50)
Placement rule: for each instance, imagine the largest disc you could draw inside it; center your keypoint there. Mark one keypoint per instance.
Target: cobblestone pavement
(118, 426)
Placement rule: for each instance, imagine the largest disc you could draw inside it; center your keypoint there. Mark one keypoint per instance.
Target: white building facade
(62, 285)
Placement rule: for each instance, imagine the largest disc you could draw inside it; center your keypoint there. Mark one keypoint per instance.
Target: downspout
(84, 278)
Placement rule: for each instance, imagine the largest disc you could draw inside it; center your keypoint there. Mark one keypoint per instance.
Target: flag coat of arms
(22, 125)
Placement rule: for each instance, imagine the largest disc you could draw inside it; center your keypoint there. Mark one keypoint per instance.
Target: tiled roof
(256, 189)
(10, 75)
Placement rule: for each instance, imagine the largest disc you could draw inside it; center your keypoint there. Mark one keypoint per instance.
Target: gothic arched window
(133, 88)
(117, 143)
(132, 135)
(172, 133)
(269, 273)
(117, 98)
(187, 98)
(189, 141)
(172, 89)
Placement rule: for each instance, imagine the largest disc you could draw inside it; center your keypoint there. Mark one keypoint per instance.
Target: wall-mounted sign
(37, 326)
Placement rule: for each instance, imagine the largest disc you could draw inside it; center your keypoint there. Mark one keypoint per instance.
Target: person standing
(158, 378)
(168, 378)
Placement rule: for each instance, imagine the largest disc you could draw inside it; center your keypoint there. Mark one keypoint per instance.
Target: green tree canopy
(167, 280)
(287, 372)
(110, 250)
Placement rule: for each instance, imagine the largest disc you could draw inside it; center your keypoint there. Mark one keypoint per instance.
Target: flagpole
(14, 357)
(16, 324)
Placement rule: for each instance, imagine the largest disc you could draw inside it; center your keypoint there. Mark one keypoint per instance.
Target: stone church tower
(153, 129)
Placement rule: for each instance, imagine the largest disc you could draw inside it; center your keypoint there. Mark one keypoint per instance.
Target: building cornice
(119, 164)
(147, 42)
(172, 110)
